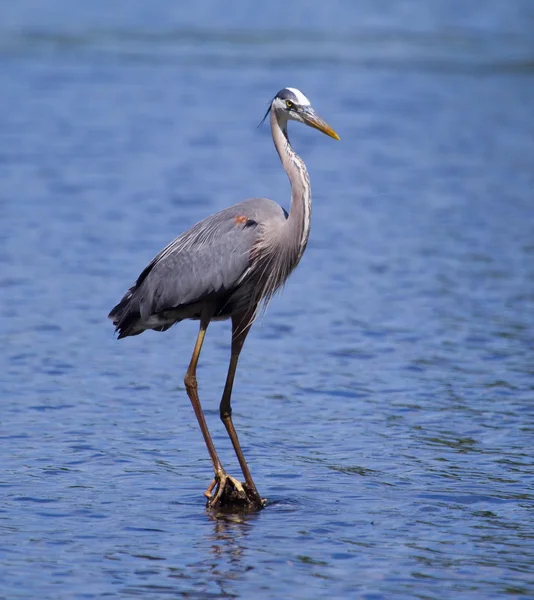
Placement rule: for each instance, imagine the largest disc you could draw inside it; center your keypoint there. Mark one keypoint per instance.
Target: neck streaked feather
(280, 248)
(299, 220)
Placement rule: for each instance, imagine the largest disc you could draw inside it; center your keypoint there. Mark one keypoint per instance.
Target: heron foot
(232, 495)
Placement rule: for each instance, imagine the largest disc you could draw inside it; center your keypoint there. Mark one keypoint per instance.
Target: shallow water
(385, 401)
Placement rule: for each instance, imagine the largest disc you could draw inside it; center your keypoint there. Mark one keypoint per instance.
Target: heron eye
(289, 104)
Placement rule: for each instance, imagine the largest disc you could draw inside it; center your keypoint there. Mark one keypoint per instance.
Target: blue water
(386, 400)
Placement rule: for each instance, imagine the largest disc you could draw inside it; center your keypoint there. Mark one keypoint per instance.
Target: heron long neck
(298, 223)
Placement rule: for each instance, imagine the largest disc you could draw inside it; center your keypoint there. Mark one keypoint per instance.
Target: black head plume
(266, 114)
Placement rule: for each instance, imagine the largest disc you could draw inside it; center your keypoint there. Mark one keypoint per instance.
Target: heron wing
(210, 258)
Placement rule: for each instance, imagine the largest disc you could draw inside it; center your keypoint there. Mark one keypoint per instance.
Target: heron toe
(231, 494)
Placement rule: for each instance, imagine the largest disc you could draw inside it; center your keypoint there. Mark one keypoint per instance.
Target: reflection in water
(222, 559)
(228, 543)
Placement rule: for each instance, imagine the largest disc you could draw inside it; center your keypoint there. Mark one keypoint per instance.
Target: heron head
(291, 104)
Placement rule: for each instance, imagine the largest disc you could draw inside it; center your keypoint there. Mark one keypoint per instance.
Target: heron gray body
(224, 267)
(210, 263)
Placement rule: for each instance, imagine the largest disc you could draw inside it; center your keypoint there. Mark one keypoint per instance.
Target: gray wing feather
(211, 257)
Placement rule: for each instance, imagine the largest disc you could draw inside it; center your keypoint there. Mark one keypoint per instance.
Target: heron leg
(230, 492)
(241, 324)
(191, 386)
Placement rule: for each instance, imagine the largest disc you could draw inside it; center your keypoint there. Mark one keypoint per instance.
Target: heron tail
(126, 315)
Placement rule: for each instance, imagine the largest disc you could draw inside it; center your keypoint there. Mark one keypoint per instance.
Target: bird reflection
(228, 545)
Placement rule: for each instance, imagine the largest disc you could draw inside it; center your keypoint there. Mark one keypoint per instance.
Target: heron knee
(225, 413)
(190, 382)
(225, 408)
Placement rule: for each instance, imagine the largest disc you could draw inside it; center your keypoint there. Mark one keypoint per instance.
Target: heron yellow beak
(311, 118)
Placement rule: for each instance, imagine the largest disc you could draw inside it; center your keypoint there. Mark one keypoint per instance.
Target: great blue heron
(224, 267)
